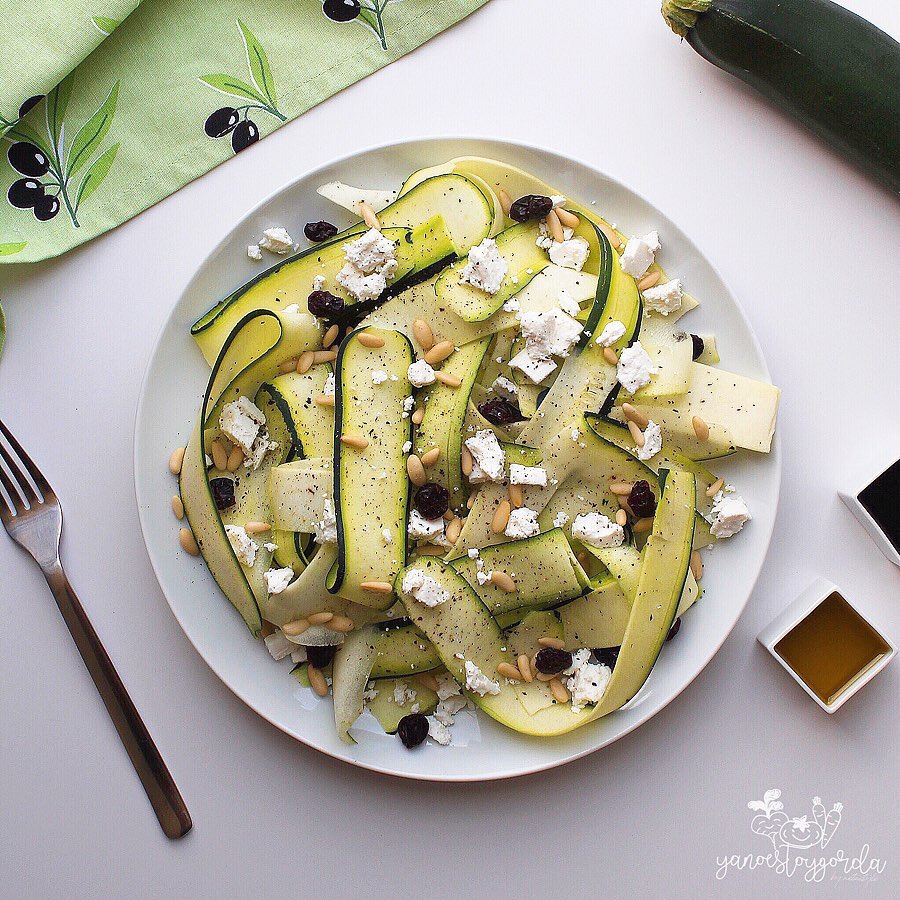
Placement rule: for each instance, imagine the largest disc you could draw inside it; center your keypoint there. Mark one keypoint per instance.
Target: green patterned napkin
(142, 97)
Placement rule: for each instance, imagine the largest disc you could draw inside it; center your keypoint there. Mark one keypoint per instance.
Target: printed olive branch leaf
(370, 15)
(104, 25)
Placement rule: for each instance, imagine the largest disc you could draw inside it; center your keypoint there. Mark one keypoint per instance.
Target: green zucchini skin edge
(829, 68)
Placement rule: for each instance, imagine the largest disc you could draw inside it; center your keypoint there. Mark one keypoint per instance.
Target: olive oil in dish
(831, 648)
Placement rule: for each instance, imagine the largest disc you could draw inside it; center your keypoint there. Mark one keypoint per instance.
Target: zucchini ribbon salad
(457, 454)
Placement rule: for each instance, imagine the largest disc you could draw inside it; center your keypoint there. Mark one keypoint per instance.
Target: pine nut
(257, 527)
(634, 415)
(304, 362)
(466, 463)
(418, 415)
(446, 378)
(449, 516)
(642, 525)
(505, 201)
(516, 499)
(555, 226)
(501, 517)
(524, 664)
(188, 542)
(715, 487)
(701, 429)
(427, 680)
(621, 517)
(560, 694)
(176, 460)
(220, 457)
(430, 550)
(423, 334)
(431, 457)
(320, 618)
(415, 470)
(504, 582)
(696, 564)
(330, 336)
(555, 643)
(289, 365)
(611, 235)
(368, 215)
(370, 340)
(354, 440)
(508, 670)
(341, 624)
(570, 220)
(324, 356)
(610, 356)
(647, 282)
(377, 587)
(317, 680)
(543, 676)
(439, 352)
(621, 488)
(298, 626)
(177, 507)
(471, 501)
(325, 400)
(235, 458)
(636, 434)
(453, 530)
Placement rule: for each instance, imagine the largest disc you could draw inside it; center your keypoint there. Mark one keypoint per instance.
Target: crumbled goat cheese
(639, 253)
(279, 646)
(664, 298)
(490, 456)
(241, 421)
(478, 682)
(522, 523)
(326, 530)
(371, 691)
(439, 733)
(329, 384)
(292, 308)
(485, 268)
(379, 376)
(728, 514)
(635, 368)
(613, 332)
(483, 577)
(511, 305)
(533, 475)
(473, 553)
(363, 287)
(587, 681)
(597, 530)
(420, 373)
(569, 305)
(408, 405)
(550, 333)
(403, 693)
(369, 262)
(534, 369)
(299, 654)
(318, 283)
(271, 547)
(652, 441)
(505, 388)
(407, 446)
(276, 240)
(386, 536)
(570, 254)
(243, 545)
(278, 579)
(447, 709)
(254, 252)
(447, 687)
(423, 588)
(561, 519)
(558, 200)
(261, 446)
(421, 528)
(545, 240)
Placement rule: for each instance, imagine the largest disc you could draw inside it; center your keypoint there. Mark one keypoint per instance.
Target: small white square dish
(875, 502)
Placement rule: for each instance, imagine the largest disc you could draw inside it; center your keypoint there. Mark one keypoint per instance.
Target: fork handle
(161, 789)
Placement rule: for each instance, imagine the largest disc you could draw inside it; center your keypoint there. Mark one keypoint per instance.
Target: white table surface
(806, 243)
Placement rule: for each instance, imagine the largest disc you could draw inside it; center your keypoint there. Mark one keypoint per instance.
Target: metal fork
(33, 519)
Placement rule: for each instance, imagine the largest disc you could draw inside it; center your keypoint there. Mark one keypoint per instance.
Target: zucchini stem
(680, 15)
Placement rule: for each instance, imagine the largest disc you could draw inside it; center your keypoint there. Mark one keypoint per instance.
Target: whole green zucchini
(831, 69)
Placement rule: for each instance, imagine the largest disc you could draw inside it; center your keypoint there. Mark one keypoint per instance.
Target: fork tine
(26, 490)
(14, 499)
(33, 470)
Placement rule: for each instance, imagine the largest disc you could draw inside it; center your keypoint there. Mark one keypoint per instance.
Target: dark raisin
(551, 661)
(531, 206)
(499, 411)
(641, 500)
(319, 231)
(607, 656)
(319, 657)
(676, 627)
(697, 343)
(323, 304)
(245, 133)
(432, 500)
(412, 730)
(341, 10)
(27, 159)
(223, 492)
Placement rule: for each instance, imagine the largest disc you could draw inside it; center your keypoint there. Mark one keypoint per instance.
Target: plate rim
(774, 462)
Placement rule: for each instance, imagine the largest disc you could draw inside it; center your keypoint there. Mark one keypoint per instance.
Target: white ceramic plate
(171, 394)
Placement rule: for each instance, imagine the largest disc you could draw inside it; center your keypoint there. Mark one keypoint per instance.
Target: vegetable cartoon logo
(799, 833)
